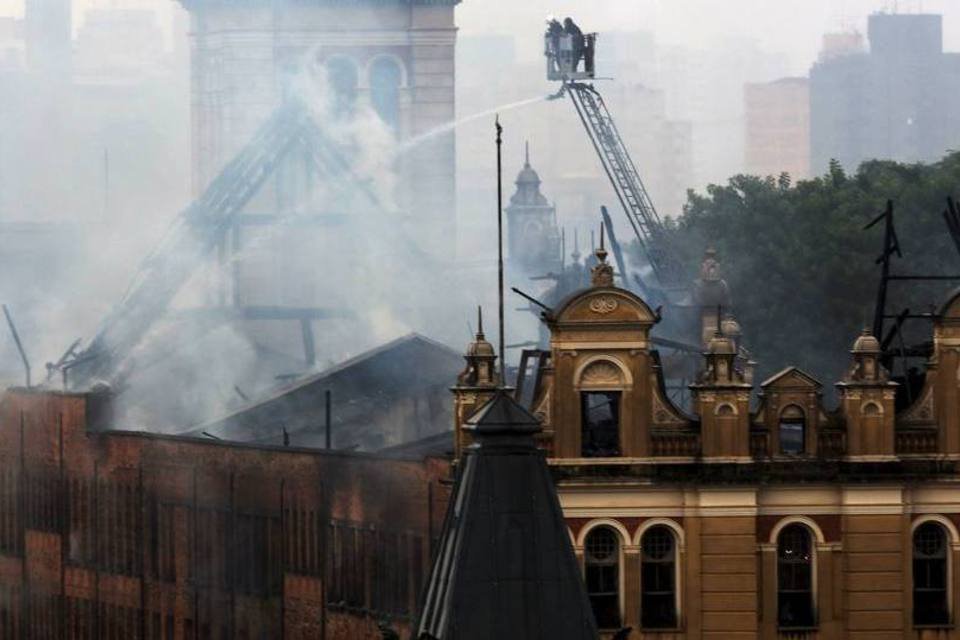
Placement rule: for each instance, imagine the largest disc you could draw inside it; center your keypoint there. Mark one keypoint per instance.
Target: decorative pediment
(791, 378)
(605, 305)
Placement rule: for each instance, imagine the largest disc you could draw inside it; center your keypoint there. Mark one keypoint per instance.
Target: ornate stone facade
(764, 514)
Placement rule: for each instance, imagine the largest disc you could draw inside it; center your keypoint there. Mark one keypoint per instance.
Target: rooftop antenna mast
(16, 339)
(503, 363)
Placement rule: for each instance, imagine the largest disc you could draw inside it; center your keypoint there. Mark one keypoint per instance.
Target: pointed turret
(534, 236)
(505, 565)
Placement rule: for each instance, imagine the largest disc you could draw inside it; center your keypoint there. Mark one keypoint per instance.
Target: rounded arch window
(601, 551)
(658, 584)
(930, 575)
(342, 81)
(793, 430)
(795, 577)
(872, 409)
(386, 76)
(726, 409)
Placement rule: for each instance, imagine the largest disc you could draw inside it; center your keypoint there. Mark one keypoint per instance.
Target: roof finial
(602, 273)
(601, 252)
(479, 322)
(526, 161)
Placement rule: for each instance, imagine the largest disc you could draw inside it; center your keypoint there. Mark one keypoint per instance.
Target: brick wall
(129, 535)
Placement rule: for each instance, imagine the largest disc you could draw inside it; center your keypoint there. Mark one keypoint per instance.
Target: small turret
(722, 399)
(481, 360)
(476, 384)
(867, 400)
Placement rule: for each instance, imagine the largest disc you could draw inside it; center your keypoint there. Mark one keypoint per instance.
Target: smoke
(343, 244)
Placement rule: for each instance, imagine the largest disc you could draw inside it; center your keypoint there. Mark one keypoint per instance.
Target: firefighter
(554, 30)
(571, 29)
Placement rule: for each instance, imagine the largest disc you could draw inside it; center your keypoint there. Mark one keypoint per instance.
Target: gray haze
(105, 173)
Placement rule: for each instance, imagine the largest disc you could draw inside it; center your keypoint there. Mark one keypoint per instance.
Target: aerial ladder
(565, 52)
(195, 234)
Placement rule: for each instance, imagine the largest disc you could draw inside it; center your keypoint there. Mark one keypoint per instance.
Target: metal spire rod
(16, 339)
(503, 363)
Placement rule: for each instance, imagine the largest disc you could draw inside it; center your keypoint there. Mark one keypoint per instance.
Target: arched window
(930, 575)
(795, 577)
(600, 426)
(385, 79)
(342, 79)
(793, 427)
(602, 568)
(599, 383)
(726, 410)
(658, 572)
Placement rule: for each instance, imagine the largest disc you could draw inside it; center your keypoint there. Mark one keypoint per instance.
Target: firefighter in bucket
(566, 46)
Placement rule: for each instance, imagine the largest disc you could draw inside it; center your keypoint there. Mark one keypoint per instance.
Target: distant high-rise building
(890, 103)
(840, 44)
(778, 127)
(48, 35)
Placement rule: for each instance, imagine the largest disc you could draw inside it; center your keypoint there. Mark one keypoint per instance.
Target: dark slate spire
(505, 568)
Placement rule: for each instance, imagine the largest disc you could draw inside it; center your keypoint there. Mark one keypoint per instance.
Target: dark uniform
(571, 29)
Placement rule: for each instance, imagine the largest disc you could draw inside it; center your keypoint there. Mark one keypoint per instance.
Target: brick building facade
(761, 514)
(132, 535)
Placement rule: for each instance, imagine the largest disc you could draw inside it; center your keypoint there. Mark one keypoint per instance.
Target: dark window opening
(600, 430)
(658, 602)
(342, 79)
(930, 575)
(602, 560)
(795, 578)
(793, 425)
(385, 79)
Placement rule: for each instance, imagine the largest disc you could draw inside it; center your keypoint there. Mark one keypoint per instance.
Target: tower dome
(866, 343)
(528, 186)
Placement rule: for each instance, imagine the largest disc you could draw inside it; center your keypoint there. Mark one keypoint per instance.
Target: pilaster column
(768, 591)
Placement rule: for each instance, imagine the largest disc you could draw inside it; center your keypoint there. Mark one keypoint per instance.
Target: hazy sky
(790, 26)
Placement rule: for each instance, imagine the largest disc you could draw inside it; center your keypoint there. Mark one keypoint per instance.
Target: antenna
(563, 248)
(16, 339)
(503, 364)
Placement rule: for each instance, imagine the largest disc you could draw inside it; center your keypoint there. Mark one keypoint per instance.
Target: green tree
(800, 266)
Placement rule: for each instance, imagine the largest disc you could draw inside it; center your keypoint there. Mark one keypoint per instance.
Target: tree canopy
(800, 266)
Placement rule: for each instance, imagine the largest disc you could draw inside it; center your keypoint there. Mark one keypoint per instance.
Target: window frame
(617, 562)
(616, 396)
(948, 531)
(677, 542)
(802, 420)
(812, 539)
(373, 68)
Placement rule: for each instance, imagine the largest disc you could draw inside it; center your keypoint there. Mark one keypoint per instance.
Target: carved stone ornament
(922, 411)
(601, 374)
(604, 304)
